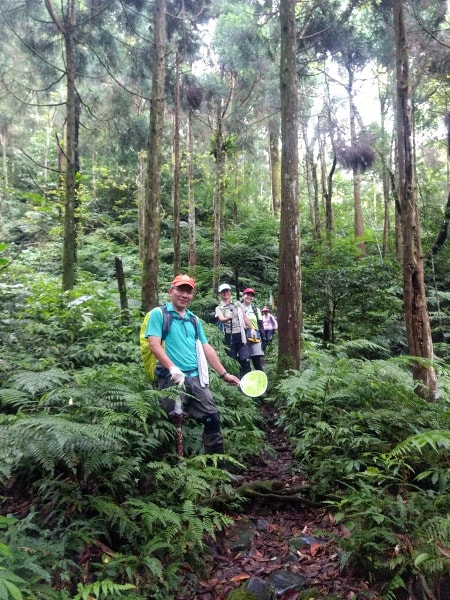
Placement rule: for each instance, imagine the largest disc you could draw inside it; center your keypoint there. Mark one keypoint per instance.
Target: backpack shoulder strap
(194, 321)
(257, 312)
(167, 322)
(168, 318)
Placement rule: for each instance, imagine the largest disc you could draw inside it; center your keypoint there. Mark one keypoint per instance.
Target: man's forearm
(159, 352)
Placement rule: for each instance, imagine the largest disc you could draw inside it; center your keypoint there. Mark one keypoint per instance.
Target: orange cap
(183, 280)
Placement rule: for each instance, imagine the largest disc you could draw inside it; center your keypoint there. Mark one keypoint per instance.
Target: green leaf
(13, 590)
(421, 558)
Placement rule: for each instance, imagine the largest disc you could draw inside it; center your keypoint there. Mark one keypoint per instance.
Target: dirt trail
(277, 534)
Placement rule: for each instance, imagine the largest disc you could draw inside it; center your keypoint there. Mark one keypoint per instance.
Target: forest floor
(284, 536)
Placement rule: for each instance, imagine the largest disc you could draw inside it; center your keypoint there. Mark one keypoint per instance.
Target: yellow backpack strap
(148, 358)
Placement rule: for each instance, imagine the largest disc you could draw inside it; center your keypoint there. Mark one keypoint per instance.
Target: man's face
(181, 296)
(225, 296)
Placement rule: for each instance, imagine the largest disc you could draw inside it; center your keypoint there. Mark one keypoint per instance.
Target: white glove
(177, 375)
(178, 410)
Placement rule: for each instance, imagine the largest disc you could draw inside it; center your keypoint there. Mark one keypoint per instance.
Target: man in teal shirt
(183, 360)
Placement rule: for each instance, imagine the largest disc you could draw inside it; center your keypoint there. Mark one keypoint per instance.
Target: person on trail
(255, 334)
(183, 360)
(270, 325)
(233, 321)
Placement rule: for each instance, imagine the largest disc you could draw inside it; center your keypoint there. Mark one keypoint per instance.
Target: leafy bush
(377, 453)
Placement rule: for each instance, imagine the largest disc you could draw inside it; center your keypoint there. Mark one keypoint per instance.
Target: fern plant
(85, 440)
(378, 454)
(27, 562)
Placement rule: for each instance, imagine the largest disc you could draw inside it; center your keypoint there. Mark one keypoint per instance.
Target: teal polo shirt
(180, 343)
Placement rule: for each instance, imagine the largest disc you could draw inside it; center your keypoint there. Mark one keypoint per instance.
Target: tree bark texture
(358, 216)
(151, 231)
(121, 284)
(218, 195)
(176, 173)
(275, 164)
(289, 278)
(415, 306)
(66, 27)
(191, 199)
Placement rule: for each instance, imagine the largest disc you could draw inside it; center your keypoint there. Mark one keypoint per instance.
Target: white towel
(203, 373)
(241, 322)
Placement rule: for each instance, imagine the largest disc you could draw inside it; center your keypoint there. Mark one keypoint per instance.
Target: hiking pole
(177, 416)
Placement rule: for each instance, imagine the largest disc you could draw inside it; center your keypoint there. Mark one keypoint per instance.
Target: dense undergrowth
(96, 504)
(379, 456)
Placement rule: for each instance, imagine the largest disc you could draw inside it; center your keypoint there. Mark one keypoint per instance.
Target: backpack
(259, 320)
(259, 331)
(151, 365)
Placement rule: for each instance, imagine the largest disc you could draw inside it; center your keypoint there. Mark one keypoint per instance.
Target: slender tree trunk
(140, 187)
(289, 278)
(70, 150)
(218, 196)
(150, 263)
(386, 160)
(176, 173)
(387, 216)
(327, 188)
(66, 27)
(275, 164)
(3, 138)
(312, 183)
(121, 284)
(192, 223)
(358, 217)
(416, 311)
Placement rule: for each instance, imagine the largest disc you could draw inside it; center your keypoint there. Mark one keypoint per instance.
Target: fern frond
(153, 517)
(47, 440)
(105, 588)
(349, 348)
(435, 439)
(117, 517)
(16, 398)
(37, 382)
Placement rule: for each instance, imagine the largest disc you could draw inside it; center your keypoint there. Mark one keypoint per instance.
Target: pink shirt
(269, 321)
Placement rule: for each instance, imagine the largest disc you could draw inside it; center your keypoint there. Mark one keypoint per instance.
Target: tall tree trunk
(289, 277)
(275, 164)
(192, 223)
(122, 286)
(66, 27)
(358, 217)
(176, 173)
(416, 311)
(385, 157)
(3, 142)
(218, 195)
(70, 151)
(312, 183)
(387, 215)
(327, 188)
(150, 263)
(3, 138)
(140, 191)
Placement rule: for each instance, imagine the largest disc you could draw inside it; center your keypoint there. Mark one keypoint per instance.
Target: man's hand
(177, 375)
(231, 379)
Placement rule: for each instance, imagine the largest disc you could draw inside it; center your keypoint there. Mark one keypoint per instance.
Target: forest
(297, 148)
